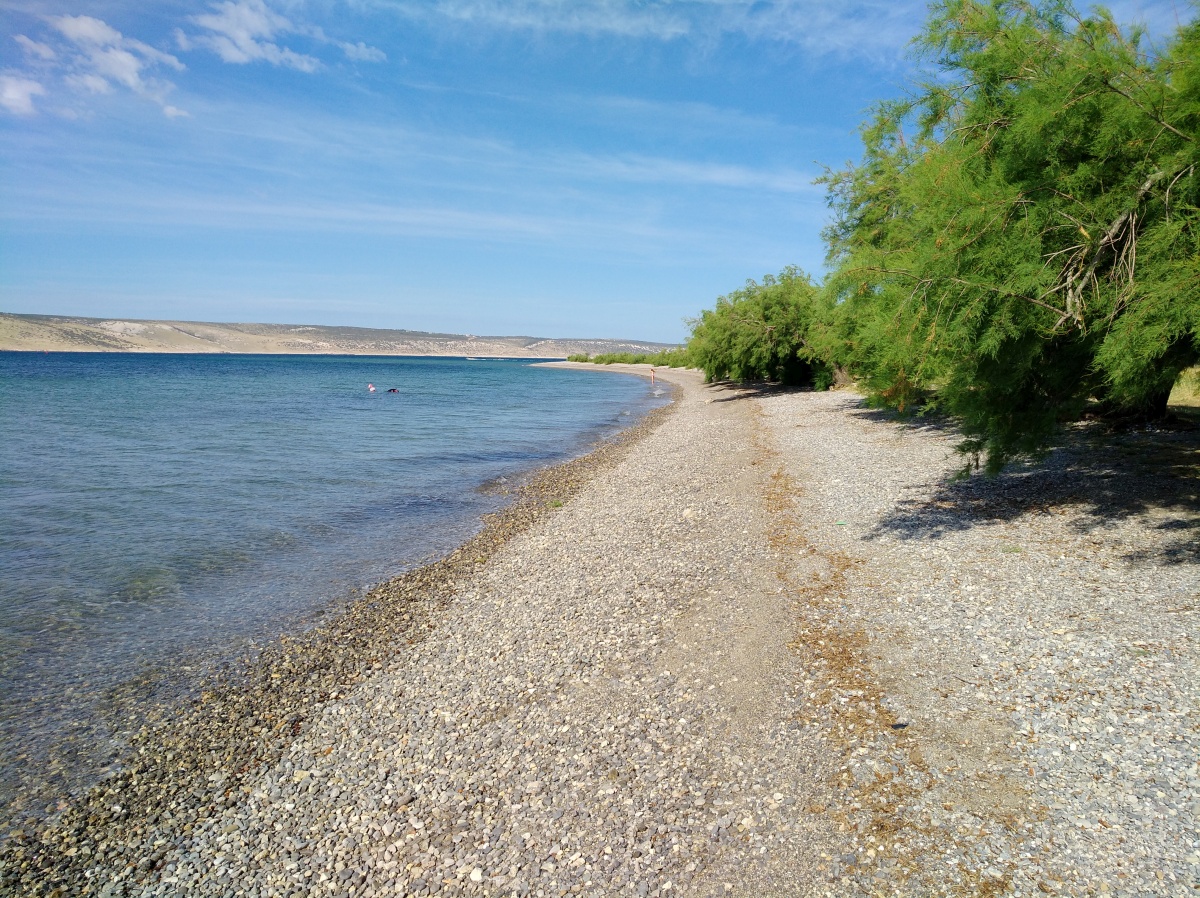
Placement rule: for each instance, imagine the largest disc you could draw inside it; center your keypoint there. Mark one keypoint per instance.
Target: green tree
(765, 331)
(1034, 245)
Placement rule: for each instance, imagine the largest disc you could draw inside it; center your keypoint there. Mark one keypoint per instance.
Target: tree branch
(1150, 114)
(987, 288)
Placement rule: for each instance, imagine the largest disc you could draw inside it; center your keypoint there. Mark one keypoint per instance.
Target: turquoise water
(163, 510)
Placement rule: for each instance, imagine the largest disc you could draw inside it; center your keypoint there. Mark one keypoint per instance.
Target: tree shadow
(733, 391)
(919, 422)
(1100, 478)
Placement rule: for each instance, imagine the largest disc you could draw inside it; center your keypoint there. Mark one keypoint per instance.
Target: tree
(1034, 248)
(763, 332)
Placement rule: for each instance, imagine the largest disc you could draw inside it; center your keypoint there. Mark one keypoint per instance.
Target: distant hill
(61, 333)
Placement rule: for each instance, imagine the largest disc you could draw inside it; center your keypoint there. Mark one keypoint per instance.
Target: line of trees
(1019, 244)
(666, 358)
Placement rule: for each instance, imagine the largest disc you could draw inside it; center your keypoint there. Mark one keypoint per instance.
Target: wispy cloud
(395, 180)
(679, 172)
(36, 49)
(659, 20)
(359, 146)
(853, 27)
(879, 30)
(245, 31)
(874, 28)
(679, 117)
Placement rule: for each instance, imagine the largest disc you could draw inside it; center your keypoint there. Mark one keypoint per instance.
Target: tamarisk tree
(764, 332)
(1021, 240)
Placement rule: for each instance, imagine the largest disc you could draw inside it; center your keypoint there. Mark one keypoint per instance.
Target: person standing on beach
(651, 374)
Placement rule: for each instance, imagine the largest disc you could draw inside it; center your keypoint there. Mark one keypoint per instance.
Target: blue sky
(596, 168)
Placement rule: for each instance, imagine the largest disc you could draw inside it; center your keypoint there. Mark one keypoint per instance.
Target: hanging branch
(1077, 276)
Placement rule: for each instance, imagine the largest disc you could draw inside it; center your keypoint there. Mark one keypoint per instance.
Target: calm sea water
(161, 510)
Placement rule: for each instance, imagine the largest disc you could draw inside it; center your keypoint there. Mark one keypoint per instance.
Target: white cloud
(120, 66)
(34, 48)
(360, 52)
(16, 94)
(173, 112)
(243, 31)
(101, 57)
(87, 31)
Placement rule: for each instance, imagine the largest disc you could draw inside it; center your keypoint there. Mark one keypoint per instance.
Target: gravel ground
(1019, 699)
(759, 646)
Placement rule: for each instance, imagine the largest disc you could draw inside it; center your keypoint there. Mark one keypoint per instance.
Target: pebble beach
(760, 644)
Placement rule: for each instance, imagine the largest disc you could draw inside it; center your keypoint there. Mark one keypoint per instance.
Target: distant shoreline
(54, 333)
(541, 359)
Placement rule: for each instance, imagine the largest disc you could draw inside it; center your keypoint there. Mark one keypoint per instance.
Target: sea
(160, 513)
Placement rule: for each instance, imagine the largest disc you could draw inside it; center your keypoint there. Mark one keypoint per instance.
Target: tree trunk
(1156, 405)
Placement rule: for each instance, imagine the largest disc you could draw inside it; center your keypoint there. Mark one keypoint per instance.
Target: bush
(773, 331)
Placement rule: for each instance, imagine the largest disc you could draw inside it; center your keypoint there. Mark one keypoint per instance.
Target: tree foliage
(764, 332)
(1022, 236)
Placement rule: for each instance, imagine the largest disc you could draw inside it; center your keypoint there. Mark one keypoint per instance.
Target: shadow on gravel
(921, 423)
(1099, 478)
(731, 391)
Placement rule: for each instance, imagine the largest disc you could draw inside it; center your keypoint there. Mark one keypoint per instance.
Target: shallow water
(164, 510)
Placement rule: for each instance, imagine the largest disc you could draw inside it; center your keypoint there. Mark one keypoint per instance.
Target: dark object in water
(393, 390)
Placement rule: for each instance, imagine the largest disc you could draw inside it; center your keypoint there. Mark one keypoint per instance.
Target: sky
(557, 168)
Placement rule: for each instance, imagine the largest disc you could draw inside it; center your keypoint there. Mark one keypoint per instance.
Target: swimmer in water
(393, 390)
(370, 388)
